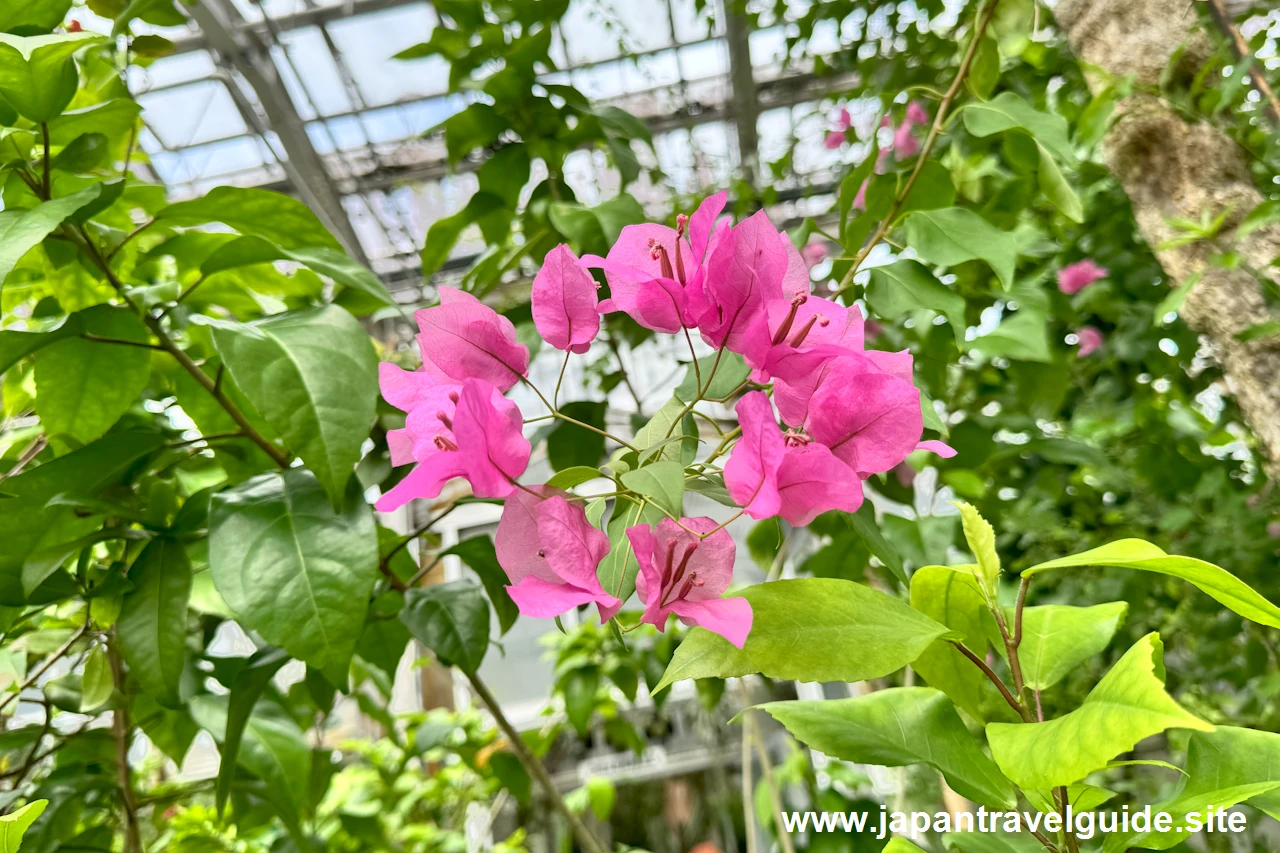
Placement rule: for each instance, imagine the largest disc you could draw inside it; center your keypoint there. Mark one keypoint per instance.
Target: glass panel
(320, 89)
(369, 41)
(172, 71)
(193, 114)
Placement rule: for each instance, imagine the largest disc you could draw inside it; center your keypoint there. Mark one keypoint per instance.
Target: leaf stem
(995, 679)
(88, 336)
(555, 398)
(535, 767)
(555, 413)
(775, 799)
(48, 181)
(939, 122)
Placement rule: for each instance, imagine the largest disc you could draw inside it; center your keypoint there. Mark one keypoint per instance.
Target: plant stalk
(123, 729)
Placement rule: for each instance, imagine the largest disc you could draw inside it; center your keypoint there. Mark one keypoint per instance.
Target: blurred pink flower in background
(1090, 340)
(814, 254)
(1074, 278)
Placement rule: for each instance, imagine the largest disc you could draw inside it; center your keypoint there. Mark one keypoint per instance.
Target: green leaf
(478, 553)
(383, 643)
(580, 688)
(660, 428)
(328, 262)
(15, 346)
(1216, 582)
(33, 15)
(83, 387)
(572, 446)
(602, 795)
(982, 542)
(954, 235)
(729, 376)
(853, 181)
(901, 845)
(811, 629)
(1008, 111)
(575, 476)
(1173, 301)
(984, 72)
(23, 230)
(275, 217)
(478, 126)
(1259, 331)
(1261, 216)
(1022, 337)
(1056, 638)
(96, 684)
(15, 824)
(28, 525)
(662, 483)
(905, 286)
(152, 627)
(38, 76)
(246, 687)
(1056, 189)
(617, 571)
(950, 595)
(314, 376)
(291, 568)
(1127, 705)
(451, 619)
(895, 728)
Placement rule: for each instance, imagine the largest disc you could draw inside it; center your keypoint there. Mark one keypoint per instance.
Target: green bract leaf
(84, 386)
(293, 570)
(905, 286)
(153, 620)
(38, 77)
(22, 230)
(1056, 189)
(1212, 580)
(1008, 111)
(27, 524)
(662, 483)
(329, 262)
(811, 629)
(982, 542)
(246, 687)
(15, 824)
(1127, 705)
(954, 235)
(451, 619)
(478, 553)
(277, 218)
(950, 595)
(1022, 337)
(895, 728)
(96, 683)
(617, 571)
(314, 376)
(1224, 767)
(729, 376)
(1057, 638)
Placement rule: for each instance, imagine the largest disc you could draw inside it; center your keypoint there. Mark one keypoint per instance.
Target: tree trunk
(1171, 168)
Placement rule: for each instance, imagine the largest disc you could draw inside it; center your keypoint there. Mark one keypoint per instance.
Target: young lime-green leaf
(479, 555)
(247, 251)
(246, 687)
(575, 476)
(29, 15)
(728, 377)
(905, 286)
(275, 217)
(15, 824)
(1127, 705)
(291, 568)
(314, 376)
(451, 619)
(1055, 187)
(1173, 301)
(96, 683)
(901, 845)
(1008, 111)
(992, 842)
(662, 483)
(153, 619)
(617, 571)
(950, 595)
(811, 629)
(1214, 581)
(954, 235)
(22, 230)
(1261, 216)
(895, 728)
(1024, 336)
(1056, 638)
(661, 427)
(982, 542)
(38, 76)
(1082, 798)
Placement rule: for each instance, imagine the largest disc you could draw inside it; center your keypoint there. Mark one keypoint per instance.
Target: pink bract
(1074, 278)
(685, 575)
(871, 420)
(487, 447)
(564, 302)
(834, 139)
(746, 267)
(814, 254)
(1090, 340)
(916, 113)
(793, 339)
(550, 553)
(462, 338)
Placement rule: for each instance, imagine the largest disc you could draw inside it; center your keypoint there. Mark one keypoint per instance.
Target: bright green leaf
(328, 262)
(575, 476)
(617, 571)
(275, 217)
(728, 377)
(905, 286)
(1056, 638)
(982, 543)
(1056, 189)
(662, 483)
(38, 76)
(23, 230)
(954, 235)
(15, 824)
(96, 684)
(1008, 111)
(153, 621)
(1024, 336)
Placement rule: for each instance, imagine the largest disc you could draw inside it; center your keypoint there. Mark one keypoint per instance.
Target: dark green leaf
(905, 286)
(478, 553)
(246, 688)
(452, 620)
(864, 522)
(152, 627)
(572, 446)
(956, 234)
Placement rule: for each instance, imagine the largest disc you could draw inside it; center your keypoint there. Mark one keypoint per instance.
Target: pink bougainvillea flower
(1074, 278)
(1090, 340)
(483, 442)
(462, 338)
(905, 143)
(550, 553)
(916, 113)
(869, 419)
(685, 575)
(564, 302)
(833, 140)
(654, 271)
(769, 473)
(1273, 530)
(421, 394)
(793, 339)
(941, 448)
(814, 254)
(747, 266)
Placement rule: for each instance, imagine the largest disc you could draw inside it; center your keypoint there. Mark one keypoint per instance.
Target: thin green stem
(555, 398)
(48, 181)
(993, 678)
(715, 365)
(101, 340)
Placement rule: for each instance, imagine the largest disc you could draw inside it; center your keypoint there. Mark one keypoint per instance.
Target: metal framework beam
(307, 18)
(249, 54)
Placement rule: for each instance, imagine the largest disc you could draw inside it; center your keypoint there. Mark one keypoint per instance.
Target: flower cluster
(743, 288)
